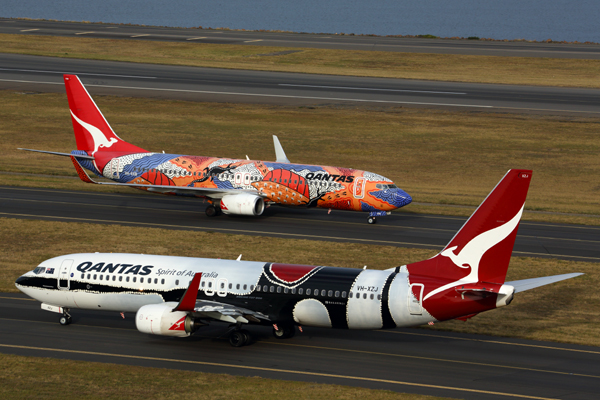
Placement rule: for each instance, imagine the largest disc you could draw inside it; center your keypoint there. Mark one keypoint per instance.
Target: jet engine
(160, 319)
(242, 204)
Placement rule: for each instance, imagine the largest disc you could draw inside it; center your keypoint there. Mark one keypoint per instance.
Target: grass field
(441, 157)
(439, 67)
(44, 378)
(563, 312)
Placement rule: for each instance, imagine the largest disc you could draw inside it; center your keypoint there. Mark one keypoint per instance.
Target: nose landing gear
(66, 318)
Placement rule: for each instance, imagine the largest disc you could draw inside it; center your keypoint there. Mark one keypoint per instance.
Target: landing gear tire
(237, 339)
(65, 320)
(372, 220)
(212, 211)
(247, 337)
(285, 332)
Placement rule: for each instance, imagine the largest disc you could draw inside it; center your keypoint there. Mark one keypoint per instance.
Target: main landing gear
(372, 220)
(212, 211)
(66, 318)
(239, 338)
(284, 331)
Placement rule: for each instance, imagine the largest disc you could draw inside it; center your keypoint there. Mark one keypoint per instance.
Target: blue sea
(575, 20)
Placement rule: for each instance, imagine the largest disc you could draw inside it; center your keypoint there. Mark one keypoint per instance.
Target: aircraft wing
(526, 284)
(226, 312)
(213, 193)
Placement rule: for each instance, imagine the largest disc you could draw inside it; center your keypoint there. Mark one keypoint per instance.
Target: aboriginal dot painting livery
(232, 186)
(175, 296)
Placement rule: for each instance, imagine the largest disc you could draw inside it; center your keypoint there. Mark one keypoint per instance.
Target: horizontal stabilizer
(526, 284)
(59, 154)
(279, 153)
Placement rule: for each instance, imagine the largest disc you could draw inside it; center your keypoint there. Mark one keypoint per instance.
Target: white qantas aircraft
(231, 186)
(174, 296)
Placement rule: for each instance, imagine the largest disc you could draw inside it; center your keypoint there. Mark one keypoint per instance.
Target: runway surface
(403, 360)
(322, 41)
(571, 242)
(32, 74)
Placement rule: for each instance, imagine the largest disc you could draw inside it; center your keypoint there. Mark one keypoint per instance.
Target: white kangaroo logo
(471, 254)
(97, 136)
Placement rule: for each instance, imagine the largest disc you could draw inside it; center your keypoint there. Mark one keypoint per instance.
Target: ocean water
(575, 20)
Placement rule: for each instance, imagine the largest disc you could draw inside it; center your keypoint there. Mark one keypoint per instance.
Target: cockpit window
(39, 270)
(384, 187)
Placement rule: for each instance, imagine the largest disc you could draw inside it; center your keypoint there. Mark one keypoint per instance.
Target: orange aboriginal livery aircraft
(240, 187)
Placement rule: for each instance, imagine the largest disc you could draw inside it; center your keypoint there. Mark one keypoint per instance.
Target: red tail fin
(92, 131)
(481, 250)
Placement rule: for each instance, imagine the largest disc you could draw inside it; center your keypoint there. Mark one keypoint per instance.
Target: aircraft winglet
(188, 301)
(279, 153)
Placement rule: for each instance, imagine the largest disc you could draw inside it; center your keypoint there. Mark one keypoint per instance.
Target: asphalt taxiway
(300, 40)
(403, 360)
(32, 74)
(561, 241)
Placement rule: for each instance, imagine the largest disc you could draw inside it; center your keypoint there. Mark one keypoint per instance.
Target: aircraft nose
(21, 280)
(401, 198)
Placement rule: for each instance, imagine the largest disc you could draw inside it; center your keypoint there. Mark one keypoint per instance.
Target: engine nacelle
(159, 319)
(242, 204)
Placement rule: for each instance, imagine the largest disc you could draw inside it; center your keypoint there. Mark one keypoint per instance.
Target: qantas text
(101, 267)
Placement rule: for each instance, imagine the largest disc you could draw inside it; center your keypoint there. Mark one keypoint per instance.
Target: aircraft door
(64, 274)
(359, 188)
(415, 304)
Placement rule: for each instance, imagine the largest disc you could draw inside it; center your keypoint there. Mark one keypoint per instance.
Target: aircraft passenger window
(209, 284)
(141, 280)
(350, 295)
(378, 297)
(295, 181)
(300, 291)
(364, 295)
(177, 282)
(251, 287)
(308, 292)
(258, 288)
(222, 285)
(265, 288)
(272, 289)
(330, 293)
(120, 278)
(285, 290)
(337, 293)
(134, 279)
(114, 278)
(278, 289)
(156, 281)
(323, 292)
(293, 290)
(372, 296)
(162, 281)
(230, 285)
(82, 276)
(127, 279)
(100, 277)
(285, 181)
(237, 286)
(201, 285)
(343, 295)
(95, 276)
